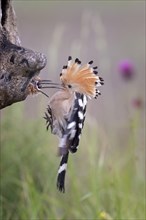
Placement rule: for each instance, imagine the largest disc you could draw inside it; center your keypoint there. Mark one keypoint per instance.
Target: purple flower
(126, 69)
(137, 103)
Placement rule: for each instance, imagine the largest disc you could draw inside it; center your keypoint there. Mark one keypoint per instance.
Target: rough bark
(18, 65)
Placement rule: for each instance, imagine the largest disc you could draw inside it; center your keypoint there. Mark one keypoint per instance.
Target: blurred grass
(28, 175)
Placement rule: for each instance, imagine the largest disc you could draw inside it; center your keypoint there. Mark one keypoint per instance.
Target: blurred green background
(106, 177)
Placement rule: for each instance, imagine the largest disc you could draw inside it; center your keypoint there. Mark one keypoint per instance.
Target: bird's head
(74, 78)
(81, 79)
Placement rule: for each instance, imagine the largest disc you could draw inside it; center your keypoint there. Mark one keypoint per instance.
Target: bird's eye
(69, 86)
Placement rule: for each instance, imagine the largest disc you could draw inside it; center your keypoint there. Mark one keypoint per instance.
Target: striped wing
(75, 123)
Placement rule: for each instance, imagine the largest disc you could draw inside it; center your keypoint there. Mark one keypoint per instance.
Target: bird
(66, 110)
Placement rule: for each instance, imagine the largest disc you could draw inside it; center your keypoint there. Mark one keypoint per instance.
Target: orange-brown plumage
(82, 79)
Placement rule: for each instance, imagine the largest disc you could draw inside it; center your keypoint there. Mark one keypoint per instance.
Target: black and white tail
(62, 172)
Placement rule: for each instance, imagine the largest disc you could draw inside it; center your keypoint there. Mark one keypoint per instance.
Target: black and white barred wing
(75, 123)
(71, 137)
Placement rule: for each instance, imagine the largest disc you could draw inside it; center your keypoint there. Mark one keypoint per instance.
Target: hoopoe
(67, 107)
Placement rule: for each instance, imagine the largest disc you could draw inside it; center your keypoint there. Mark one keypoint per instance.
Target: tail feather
(62, 172)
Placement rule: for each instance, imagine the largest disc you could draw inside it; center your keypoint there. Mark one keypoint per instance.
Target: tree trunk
(18, 65)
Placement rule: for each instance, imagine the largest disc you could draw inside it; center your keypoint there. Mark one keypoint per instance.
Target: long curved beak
(48, 84)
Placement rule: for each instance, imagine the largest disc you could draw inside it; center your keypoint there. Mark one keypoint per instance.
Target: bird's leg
(48, 118)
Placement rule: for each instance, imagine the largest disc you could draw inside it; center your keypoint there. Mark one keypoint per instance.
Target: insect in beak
(37, 85)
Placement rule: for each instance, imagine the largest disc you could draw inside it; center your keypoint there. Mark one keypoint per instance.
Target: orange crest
(83, 79)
